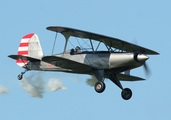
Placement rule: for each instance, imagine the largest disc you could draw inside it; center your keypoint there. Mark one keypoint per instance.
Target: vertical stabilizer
(29, 46)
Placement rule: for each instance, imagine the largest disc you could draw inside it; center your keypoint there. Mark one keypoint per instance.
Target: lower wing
(124, 77)
(66, 63)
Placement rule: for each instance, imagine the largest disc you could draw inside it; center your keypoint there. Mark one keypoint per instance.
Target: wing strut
(98, 45)
(106, 46)
(54, 43)
(92, 45)
(66, 38)
(122, 48)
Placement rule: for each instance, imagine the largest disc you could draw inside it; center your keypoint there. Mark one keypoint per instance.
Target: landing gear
(99, 86)
(126, 94)
(20, 76)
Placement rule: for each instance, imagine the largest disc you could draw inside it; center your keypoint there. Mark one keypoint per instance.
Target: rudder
(29, 46)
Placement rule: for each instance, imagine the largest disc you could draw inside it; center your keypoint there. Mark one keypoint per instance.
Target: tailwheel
(99, 86)
(126, 94)
(20, 76)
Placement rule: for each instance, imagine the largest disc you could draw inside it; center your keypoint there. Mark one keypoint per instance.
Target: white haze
(91, 81)
(3, 89)
(36, 86)
(55, 84)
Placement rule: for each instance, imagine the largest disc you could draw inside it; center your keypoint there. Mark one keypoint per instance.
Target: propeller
(141, 58)
(147, 70)
(145, 66)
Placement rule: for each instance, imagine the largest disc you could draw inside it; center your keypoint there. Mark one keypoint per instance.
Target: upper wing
(66, 63)
(112, 42)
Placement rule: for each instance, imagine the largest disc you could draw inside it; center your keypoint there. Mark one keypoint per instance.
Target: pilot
(72, 51)
(78, 49)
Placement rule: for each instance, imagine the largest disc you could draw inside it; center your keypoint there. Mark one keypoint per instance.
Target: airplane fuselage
(98, 60)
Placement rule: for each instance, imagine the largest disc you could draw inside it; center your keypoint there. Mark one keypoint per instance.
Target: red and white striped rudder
(29, 46)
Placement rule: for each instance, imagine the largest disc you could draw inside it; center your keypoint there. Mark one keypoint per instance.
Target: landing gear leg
(20, 76)
(126, 93)
(100, 85)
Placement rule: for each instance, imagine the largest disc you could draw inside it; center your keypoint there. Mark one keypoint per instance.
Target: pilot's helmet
(77, 48)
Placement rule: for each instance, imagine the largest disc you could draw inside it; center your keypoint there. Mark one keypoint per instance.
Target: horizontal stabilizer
(20, 57)
(124, 77)
(66, 63)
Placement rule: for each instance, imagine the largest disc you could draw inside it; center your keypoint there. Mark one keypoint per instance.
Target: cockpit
(75, 51)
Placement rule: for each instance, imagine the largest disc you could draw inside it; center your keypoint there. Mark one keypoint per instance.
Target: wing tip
(153, 53)
(56, 28)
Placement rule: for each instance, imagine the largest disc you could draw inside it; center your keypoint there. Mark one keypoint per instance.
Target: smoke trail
(91, 81)
(3, 90)
(55, 84)
(34, 85)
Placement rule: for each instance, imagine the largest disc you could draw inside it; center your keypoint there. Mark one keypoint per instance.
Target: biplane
(114, 63)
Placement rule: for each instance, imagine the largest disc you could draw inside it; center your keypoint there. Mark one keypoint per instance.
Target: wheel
(99, 86)
(126, 94)
(20, 76)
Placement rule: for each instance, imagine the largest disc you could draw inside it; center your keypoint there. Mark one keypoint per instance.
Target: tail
(29, 46)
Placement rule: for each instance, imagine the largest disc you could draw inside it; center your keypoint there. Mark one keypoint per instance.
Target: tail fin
(29, 46)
